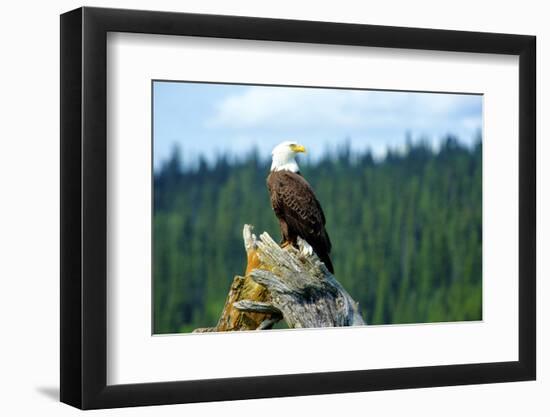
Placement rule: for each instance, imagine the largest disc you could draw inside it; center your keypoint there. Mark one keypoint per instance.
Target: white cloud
(257, 107)
(272, 107)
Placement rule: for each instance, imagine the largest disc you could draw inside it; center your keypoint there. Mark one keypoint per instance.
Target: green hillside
(406, 232)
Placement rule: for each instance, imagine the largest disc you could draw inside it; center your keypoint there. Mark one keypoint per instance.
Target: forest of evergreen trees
(406, 232)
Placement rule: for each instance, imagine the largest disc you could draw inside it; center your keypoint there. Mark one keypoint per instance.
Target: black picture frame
(84, 207)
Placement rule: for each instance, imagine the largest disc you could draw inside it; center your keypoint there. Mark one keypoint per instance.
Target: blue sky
(209, 119)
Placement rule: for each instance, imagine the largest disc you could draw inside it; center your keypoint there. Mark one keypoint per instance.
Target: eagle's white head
(284, 156)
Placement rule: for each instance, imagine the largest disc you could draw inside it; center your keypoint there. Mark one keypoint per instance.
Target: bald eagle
(295, 204)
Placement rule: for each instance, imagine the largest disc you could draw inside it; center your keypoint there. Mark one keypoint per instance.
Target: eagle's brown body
(299, 212)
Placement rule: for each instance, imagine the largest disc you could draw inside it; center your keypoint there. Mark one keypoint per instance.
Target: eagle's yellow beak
(298, 148)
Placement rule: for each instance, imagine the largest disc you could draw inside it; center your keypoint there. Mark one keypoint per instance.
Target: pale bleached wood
(300, 286)
(292, 284)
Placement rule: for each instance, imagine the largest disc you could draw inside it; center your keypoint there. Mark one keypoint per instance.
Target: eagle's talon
(305, 248)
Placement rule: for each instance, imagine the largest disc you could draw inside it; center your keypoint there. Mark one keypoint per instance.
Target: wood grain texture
(284, 284)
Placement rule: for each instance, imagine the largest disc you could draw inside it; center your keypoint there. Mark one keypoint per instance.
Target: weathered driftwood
(245, 288)
(285, 283)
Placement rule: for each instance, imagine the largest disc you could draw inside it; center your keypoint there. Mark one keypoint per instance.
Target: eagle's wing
(293, 199)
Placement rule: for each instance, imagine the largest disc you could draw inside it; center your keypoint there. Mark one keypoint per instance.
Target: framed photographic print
(258, 207)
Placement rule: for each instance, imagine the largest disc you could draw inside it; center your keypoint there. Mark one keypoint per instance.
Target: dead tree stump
(284, 284)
